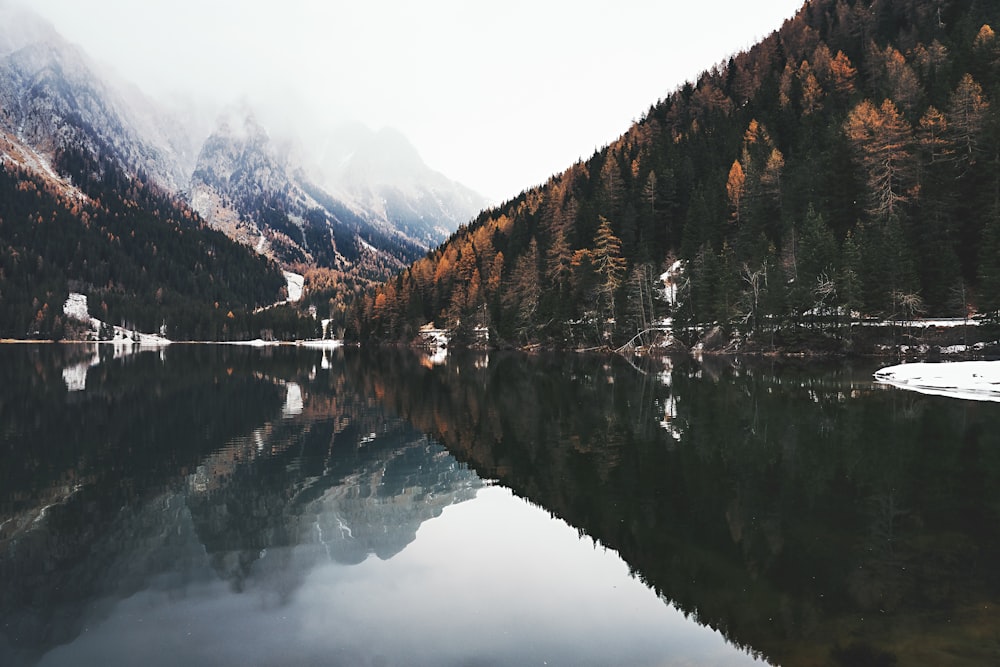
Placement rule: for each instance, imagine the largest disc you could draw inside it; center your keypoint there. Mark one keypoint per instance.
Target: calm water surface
(210, 505)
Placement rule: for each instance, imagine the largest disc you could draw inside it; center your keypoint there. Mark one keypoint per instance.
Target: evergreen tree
(989, 270)
(609, 264)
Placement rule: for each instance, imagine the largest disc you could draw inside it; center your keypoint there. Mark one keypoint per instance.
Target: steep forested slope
(141, 257)
(848, 163)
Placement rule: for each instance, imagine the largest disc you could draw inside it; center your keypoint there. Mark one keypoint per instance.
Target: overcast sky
(498, 96)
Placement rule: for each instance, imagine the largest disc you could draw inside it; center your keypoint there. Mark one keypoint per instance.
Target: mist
(496, 97)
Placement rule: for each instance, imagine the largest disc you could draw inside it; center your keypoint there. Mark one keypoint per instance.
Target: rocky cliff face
(255, 190)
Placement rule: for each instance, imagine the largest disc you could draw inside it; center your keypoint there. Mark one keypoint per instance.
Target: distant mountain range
(372, 207)
(367, 211)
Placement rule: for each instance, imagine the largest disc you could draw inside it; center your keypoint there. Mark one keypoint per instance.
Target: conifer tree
(966, 117)
(989, 269)
(883, 142)
(735, 187)
(609, 264)
(522, 296)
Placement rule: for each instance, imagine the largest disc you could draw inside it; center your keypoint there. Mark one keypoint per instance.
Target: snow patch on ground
(75, 308)
(939, 322)
(671, 278)
(257, 342)
(296, 283)
(970, 380)
(325, 344)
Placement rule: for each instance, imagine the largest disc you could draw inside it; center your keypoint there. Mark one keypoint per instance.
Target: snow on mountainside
(51, 98)
(257, 191)
(76, 308)
(245, 185)
(377, 210)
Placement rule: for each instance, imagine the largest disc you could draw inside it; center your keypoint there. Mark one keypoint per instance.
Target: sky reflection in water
(492, 581)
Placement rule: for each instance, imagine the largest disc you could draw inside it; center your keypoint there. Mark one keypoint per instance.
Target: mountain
(95, 157)
(87, 205)
(51, 97)
(845, 167)
(370, 208)
(254, 190)
(382, 173)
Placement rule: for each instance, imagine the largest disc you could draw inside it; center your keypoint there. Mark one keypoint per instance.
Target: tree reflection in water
(808, 515)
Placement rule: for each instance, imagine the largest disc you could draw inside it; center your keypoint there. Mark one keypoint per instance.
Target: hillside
(849, 163)
(94, 148)
(143, 259)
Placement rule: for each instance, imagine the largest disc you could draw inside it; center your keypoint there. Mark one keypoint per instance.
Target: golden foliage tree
(883, 143)
(735, 187)
(608, 262)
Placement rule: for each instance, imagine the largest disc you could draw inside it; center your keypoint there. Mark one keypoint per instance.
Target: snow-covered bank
(75, 308)
(317, 344)
(970, 380)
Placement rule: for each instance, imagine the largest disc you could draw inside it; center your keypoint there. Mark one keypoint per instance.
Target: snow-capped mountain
(372, 193)
(370, 209)
(51, 99)
(252, 188)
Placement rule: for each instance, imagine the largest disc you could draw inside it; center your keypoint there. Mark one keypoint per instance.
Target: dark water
(210, 505)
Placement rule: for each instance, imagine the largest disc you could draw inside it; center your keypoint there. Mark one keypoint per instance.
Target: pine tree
(522, 295)
(609, 264)
(966, 118)
(816, 264)
(989, 269)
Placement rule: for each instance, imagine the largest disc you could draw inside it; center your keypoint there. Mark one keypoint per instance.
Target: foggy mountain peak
(20, 27)
(53, 97)
(251, 173)
(355, 154)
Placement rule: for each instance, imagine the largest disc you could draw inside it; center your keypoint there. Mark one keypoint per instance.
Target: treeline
(848, 165)
(144, 260)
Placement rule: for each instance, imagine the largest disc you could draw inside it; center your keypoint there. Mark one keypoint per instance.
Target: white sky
(498, 96)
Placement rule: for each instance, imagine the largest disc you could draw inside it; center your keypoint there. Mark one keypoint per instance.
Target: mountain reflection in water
(210, 505)
(223, 505)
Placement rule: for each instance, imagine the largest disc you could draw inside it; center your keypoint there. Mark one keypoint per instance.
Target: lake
(220, 505)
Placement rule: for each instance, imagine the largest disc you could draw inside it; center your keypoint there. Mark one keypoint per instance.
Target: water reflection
(805, 513)
(275, 506)
(134, 469)
(210, 505)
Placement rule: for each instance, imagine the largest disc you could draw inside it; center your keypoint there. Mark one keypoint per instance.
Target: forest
(144, 260)
(846, 167)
